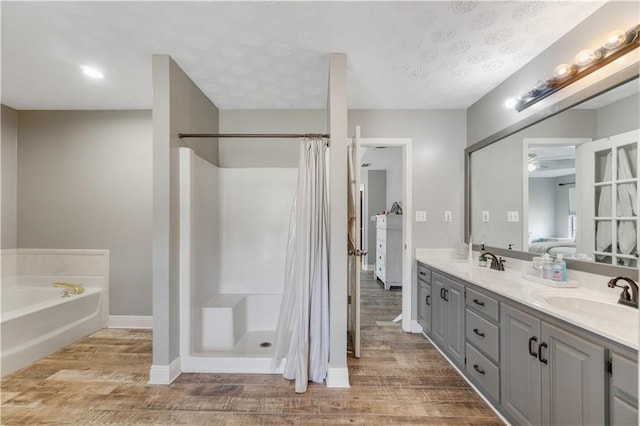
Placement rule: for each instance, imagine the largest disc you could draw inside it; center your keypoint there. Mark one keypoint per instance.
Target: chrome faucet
(626, 298)
(496, 263)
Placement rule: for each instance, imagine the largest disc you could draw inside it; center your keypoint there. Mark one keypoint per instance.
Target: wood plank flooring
(102, 379)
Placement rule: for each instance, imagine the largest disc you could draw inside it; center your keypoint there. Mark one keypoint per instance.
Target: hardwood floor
(101, 379)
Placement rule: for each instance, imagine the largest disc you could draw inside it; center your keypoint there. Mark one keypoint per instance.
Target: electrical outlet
(485, 216)
(421, 216)
(447, 215)
(372, 219)
(512, 216)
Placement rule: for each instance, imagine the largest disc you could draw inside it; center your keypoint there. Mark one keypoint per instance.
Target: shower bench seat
(226, 318)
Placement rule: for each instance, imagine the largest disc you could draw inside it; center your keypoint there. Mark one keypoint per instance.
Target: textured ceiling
(246, 55)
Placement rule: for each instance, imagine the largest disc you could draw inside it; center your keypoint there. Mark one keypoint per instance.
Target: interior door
(608, 196)
(354, 251)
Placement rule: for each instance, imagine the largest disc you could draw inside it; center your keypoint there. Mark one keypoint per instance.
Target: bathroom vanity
(539, 355)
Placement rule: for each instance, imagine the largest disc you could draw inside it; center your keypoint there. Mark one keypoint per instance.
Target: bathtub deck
(400, 379)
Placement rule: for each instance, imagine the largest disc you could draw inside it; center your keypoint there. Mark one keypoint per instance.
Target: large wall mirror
(567, 183)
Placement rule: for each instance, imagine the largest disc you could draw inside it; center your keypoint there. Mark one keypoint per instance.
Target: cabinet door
(438, 313)
(424, 306)
(624, 390)
(573, 379)
(519, 366)
(455, 327)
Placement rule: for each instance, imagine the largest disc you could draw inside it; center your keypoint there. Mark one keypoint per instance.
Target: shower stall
(233, 235)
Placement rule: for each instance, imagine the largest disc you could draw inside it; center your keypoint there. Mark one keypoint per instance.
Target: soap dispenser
(482, 259)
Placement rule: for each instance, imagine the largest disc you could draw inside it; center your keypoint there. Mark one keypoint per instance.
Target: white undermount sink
(590, 306)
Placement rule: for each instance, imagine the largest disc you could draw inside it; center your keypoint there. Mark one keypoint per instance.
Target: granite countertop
(592, 306)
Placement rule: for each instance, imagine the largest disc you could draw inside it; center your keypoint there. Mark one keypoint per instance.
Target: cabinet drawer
(484, 304)
(482, 334)
(424, 274)
(485, 373)
(381, 246)
(381, 271)
(381, 221)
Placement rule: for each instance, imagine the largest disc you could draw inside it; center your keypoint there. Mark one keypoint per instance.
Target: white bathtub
(36, 320)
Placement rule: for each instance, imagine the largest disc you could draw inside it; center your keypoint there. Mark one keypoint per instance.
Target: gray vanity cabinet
(549, 375)
(623, 390)
(424, 299)
(447, 326)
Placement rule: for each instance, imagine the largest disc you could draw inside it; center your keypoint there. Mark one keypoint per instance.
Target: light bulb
(91, 72)
(615, 39)
(531, 167)
(563, 71)
(585, 57)
(510, 103)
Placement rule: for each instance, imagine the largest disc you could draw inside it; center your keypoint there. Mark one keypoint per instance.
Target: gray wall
(619, 117)
(266, 152)
(489, 115)
(542, 208)
(85, 182)
(394, 176)
(178, 107)
(376, 198)
(9, 176)
(438, 139)
(549, 206)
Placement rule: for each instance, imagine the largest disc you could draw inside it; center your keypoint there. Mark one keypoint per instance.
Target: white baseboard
(165, 374)
(416, 327)
(130, 321)
(338, 377)
(368, 267)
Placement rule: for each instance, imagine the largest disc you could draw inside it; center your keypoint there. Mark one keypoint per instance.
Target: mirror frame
(603, 85)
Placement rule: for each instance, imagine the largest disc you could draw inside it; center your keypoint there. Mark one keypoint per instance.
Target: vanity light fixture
(91, 72)
(617, 43)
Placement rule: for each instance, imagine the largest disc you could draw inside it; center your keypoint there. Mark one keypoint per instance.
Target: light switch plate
(447, 215)
(421, 216)
(512, 216)
(485, 216)
(373, 219)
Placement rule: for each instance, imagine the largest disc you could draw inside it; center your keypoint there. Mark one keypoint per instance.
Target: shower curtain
(302, 334)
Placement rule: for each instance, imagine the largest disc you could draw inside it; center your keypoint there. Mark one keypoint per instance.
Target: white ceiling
(245, 55)
(553, 161)
(381, 158)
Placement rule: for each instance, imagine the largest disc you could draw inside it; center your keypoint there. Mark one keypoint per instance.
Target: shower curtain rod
(250, 135)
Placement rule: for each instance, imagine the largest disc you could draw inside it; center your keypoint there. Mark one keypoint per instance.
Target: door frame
(409, 289)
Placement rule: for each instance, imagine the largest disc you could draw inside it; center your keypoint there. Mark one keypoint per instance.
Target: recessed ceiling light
(91, 72)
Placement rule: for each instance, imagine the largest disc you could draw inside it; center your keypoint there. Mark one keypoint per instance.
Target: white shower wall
(255, 205)
(199, 240)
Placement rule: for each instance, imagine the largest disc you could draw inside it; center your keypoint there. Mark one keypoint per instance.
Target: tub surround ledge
(512, 285)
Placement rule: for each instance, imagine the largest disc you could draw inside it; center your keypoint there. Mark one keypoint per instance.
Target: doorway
(387, 161)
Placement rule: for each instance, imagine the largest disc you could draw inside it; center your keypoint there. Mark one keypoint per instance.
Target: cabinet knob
(427, 300)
